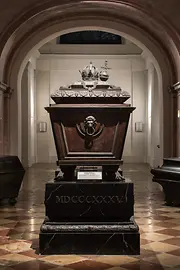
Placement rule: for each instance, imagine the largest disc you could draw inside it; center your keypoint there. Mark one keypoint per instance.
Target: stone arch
(118, 16)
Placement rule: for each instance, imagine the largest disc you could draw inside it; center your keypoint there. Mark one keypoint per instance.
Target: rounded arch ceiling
(44, 22)
(137, 17)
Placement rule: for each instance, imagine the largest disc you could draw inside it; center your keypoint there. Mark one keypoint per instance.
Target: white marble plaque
(89, 175)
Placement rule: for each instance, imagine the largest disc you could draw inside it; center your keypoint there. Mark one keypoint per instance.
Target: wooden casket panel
(109, 142)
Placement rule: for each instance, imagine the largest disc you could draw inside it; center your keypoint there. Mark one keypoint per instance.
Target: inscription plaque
(89, 199)
(89, 172)
(89, 175)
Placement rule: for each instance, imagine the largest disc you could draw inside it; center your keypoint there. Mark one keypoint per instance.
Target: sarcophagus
(168, 176)
(89, 122)
(90, 205)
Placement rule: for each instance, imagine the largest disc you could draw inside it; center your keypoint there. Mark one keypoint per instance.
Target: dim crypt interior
(55, 62)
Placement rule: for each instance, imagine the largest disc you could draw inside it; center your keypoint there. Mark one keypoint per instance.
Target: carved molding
(7, 90)
(3, 87)
(175, 88)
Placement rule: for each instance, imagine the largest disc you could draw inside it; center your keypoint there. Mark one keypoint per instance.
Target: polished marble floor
(159, 228)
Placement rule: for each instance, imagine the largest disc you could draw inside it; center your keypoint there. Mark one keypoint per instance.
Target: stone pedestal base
(89, 217)
(89, 201)
(106, 239)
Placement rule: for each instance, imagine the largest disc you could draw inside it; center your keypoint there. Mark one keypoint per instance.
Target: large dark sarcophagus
(168, 176)
(89, 203)
(11, 177)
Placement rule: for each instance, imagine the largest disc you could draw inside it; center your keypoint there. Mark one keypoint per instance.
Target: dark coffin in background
(11, 176)
(168, 176)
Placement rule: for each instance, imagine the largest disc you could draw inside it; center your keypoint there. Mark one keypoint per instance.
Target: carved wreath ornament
(89, 130)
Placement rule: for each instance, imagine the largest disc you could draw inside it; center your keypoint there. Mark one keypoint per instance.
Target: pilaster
(5, 95)
(175, 89)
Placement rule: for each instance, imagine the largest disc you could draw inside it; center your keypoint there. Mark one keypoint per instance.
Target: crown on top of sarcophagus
(92, 87)
(89, 73)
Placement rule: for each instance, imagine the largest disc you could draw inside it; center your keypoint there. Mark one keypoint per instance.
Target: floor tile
(170, 232)
(16, 247)
(3, 252)
(146, 221)
(168, 209)
(34, 265)
(88, 265)
(12, 259)
(155, 236)
(18, 218)
(159, 226)
(6, 268)
(176, 227)
(144, 241)
(151, 228)
(34, 221)
(147, 253)
(116, 260)
(166, 260)
(167, 224)
(32, 253)
(5, 222)
(143, 265)
(159, 247)
(5, 240)
(175, 252)
(16, 230)
(173, 241)
(174, 220)
(171, 215)
(29, 236)
(16, 236)
(63, 268)
(116, 268)
(63, 259)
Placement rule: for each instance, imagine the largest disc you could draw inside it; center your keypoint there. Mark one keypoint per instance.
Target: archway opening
(133, 21)
(137, 72)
